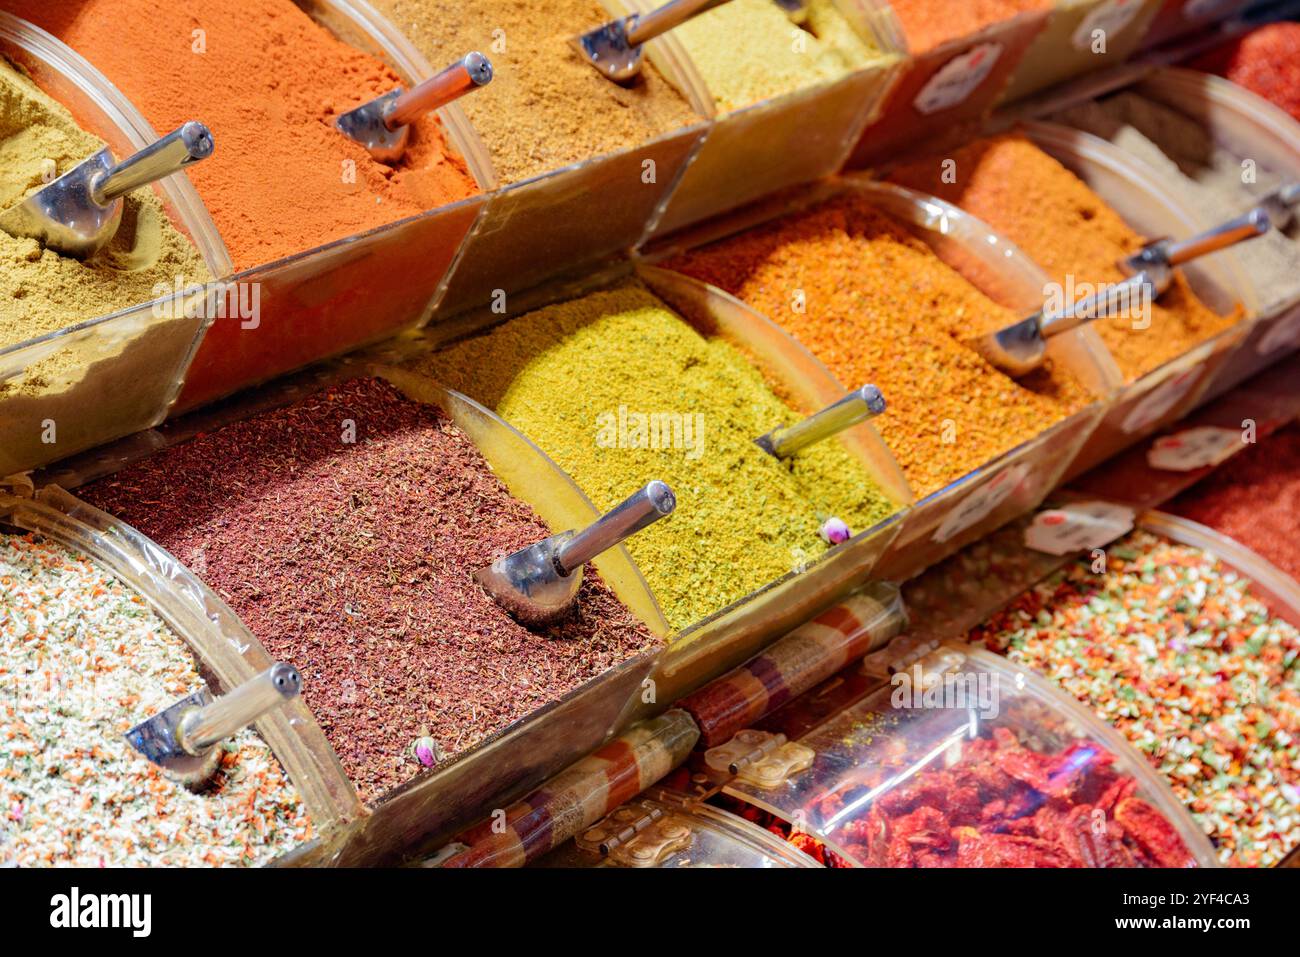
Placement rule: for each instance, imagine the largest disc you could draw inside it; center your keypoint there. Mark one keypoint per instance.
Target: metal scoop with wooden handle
(383, 125)
(183, 739)
(1020, 348)
(857, 406)
(78, 214)
(615, 49)
(1281, 204)
(538, 585)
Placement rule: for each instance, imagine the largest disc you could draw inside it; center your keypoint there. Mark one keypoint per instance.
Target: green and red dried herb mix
(572, 375)
(82, 660)
(352, 559)
(1172, 649)
(875, 304)
(1027, 196)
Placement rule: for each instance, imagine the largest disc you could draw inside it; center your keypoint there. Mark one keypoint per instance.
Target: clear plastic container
(1250, 127)
(1177, 18)
(330, 300)
(1165, 394)
(1067, 47)
(510, 762)
(682, 833)
(226, 652)
(942, 95)
(796, 138)
(126, 367)
(1017, 480)
(880, 764)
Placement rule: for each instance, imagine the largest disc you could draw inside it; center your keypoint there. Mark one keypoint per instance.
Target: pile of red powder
(1265, 61)
(1255, 499)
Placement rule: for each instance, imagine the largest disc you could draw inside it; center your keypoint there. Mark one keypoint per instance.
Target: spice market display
(617, 434)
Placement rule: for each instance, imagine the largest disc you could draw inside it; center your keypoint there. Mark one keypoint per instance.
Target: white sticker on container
(979, 504)
(1110, 17)
(1078, 526)
(1193, 449)
(957, 79)
(1284, 333)
(1160, 400)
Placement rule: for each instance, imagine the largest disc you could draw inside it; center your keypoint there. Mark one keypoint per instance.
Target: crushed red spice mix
(353, 561)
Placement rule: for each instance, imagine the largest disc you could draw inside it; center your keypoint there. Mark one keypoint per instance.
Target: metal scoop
(1167, 252)
(79, 212)
(857, 406)
(183, 739)
(1281, 203)
(1020, 348)
(538, 585)
(383, 125)
(615, 48)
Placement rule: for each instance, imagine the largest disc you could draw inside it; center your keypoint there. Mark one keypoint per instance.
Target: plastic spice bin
(1017, 480)
(510, 762)
(946, 92)
(1067, 47)
(867, 756)
(221, 645)
(549, 225)
(756, 150)
(1165, 394)
(683, 834)
(327, 301)
(128, 365)
(1250, 127)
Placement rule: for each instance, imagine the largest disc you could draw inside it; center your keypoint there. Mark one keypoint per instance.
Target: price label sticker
(1284, 333)
(980, 504)
(1078, 527)
(1110, 18)
(956, 80)
(1160, 401)
(1194, 449)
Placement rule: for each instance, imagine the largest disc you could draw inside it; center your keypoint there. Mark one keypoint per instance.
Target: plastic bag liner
(225, 649)
(810, 654)
(581, 795)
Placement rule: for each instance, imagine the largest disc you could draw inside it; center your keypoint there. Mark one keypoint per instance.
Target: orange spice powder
(268, 82)
(878, 306)
(1031, 199)
(929, 23)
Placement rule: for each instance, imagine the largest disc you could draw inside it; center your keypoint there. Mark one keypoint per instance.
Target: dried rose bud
(426, 751)
(835, 531)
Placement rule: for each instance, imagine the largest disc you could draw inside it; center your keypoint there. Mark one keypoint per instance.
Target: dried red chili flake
(353, 560)
(1003, 804)
(1255, 499)
(1265, 61)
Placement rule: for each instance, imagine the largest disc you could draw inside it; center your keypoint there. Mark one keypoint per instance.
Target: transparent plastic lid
(102, 109)
(672, 831)
(963, 760)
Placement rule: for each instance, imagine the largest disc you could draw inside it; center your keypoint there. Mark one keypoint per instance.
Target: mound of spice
(269, 82)
(82, 660)
(748, 51)
(619, 390)
(344, 531)
(1171, 648)
(875, 304)
(44, 291)
(1265, 61)
(546, 107)
(1186, 157)
(1255, 499)
(1042, 207)
(930, 23)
